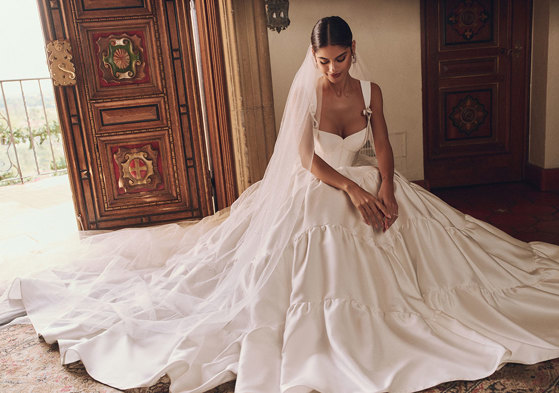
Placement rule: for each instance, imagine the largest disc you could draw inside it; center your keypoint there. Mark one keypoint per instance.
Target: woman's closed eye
(338, 59)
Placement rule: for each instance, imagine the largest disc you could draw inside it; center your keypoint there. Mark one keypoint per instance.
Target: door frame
(216, 100)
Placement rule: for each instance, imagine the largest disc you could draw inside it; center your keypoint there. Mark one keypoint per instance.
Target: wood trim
(545, 179)
(215, 90)
(524, 34)
(424, 87)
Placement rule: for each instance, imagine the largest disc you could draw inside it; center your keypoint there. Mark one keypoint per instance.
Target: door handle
(516, 50)
(511, 51)
(62, 70)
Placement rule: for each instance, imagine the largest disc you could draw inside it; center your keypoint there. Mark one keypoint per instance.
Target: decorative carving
(468, 115)
(138, 169)
(62, 71)
(121, 59)
(277, 14)
(468, 18)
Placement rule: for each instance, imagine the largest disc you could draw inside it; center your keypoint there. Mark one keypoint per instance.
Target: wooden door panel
(468, 119)
(469, 22)
(116, 8)
(135, 114)
(463, 68)
(469, 137)
(130, 43)
(134, 131)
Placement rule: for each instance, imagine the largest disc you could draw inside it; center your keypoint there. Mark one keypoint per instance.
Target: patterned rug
(28, 364)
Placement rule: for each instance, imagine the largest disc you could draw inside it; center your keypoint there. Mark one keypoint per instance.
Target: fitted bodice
(338, 151)
(334, 149)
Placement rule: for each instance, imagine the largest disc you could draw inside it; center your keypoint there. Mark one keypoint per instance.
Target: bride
(332, 274)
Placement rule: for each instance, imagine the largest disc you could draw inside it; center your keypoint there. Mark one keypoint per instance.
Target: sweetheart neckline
(341, 137)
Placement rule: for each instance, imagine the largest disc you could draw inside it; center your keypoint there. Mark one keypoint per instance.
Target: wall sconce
(277, 14)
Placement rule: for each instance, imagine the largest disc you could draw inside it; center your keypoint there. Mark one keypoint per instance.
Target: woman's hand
(386, 197)
(372, 209)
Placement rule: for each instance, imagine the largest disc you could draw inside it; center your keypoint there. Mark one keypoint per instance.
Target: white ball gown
(439, 296)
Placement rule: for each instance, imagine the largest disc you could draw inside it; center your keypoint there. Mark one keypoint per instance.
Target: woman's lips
(335, 75)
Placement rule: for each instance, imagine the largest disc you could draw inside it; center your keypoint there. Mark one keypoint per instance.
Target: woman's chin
(334, 79)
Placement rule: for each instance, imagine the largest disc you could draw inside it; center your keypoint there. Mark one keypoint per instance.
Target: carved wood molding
(215, 86)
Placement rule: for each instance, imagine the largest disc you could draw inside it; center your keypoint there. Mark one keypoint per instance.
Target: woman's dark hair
(331, 30)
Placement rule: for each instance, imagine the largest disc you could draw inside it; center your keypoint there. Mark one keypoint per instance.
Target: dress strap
(366, 89)
(368, 148)
(312, 110)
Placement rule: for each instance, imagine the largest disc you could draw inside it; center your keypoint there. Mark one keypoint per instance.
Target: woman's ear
(315, 61)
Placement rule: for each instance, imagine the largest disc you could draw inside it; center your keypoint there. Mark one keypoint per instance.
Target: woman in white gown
(332, 274)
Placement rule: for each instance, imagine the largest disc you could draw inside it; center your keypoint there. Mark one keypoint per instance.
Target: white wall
(540, 31)
(544, 105)
(388, 37)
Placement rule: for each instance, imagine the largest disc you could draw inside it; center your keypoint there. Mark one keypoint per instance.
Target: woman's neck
(342, 88)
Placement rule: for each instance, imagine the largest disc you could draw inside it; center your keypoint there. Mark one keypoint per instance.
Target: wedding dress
(318, 302)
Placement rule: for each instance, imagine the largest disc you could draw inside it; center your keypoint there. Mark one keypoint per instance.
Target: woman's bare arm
(322, 171)
(383, 149)
(385, 156)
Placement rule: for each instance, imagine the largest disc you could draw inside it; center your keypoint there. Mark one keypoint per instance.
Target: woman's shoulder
(376, 93)
(374, 86)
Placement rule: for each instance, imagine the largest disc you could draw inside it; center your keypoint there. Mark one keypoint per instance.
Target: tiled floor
(34, 217)
(516, 208)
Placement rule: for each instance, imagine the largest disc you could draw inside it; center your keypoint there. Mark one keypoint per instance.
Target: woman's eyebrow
(335, 57)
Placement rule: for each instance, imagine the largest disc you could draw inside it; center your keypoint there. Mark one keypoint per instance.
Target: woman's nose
(332, 67)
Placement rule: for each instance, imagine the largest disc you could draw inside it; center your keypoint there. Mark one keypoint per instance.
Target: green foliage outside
(22, 134)
(31, 148)
(22, 139)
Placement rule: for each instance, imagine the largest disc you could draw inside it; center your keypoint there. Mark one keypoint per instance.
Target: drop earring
(353, 58)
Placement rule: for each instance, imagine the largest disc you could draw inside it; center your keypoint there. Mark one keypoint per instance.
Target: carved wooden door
(132, 124)
(475, 90)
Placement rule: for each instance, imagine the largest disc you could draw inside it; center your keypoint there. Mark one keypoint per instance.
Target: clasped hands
(381, 211)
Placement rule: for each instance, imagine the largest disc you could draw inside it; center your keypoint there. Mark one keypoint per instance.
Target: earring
(353, 58)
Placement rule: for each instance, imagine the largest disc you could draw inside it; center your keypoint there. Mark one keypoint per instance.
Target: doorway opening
(36, 209)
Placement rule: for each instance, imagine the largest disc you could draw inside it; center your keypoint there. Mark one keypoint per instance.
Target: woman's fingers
(364, 214)
(393, 217)
(374, 211)
(372, 214)
(382, 207)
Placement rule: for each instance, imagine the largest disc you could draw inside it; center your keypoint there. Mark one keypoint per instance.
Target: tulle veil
(179, 279)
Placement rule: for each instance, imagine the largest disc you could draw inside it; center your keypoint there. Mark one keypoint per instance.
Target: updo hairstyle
(331, 30)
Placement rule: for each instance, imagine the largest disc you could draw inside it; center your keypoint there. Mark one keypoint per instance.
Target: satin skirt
(440, 296)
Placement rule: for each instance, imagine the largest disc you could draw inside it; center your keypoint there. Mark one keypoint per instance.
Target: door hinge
(62, 70)
(213, 191)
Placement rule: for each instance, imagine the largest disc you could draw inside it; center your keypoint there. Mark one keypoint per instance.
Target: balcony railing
(30, 136)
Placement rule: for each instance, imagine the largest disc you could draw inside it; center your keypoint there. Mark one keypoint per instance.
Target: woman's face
(334, 61)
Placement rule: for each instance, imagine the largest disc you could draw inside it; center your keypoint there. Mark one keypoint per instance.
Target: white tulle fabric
(291, 291)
